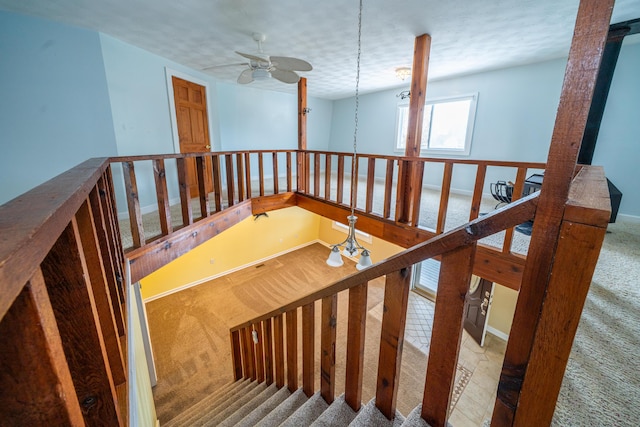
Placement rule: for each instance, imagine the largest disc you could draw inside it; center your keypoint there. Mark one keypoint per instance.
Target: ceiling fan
(281, 68)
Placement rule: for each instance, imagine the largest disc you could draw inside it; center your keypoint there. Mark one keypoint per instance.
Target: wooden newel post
(302, 165)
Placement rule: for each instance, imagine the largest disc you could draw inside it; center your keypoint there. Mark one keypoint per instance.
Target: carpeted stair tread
(284, 410)
(307, 413)
(238, 391)
(222, 412)
(203, 404)
(248, 407)
(415, 420)
(254, 417)
(338, 414)
(370, 416)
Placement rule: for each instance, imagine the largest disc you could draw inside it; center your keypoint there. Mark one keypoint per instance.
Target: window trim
(440, 100)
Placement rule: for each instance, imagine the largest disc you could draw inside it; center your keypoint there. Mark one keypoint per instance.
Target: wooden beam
(302, 113)
(592, 25)
(421, 49)
(162, 195)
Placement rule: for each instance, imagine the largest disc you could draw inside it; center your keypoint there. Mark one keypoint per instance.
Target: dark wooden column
(302, 167)
(592, 25)
(410, 172)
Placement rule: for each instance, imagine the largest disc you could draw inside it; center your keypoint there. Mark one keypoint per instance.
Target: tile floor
(476, 402)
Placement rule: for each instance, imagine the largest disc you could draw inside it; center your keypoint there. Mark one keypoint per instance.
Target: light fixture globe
(335, 259)
(261, 74)
(365, 260)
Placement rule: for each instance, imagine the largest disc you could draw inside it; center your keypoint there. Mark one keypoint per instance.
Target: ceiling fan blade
(287, 63)
(246, 76)
(213, 67)
(285, 76)
(254, 58)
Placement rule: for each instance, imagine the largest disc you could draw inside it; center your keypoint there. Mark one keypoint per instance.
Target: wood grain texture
(69, 288)
(308, 347)
(185, 191)
(100, 292)
(592, 26)
(327, 177)
(573, 267)
(388, 188)
(589, 202)
(261, 174)
(268, 351)
(241, 177)
(259, 352)
(357, 318)
(162, 196)
(271, 203)
(292, 349)
(396, 298)
(203, 194)
(109, 209)
(453, 284)
(476, 199)
(444, 196)
(247, 173)
(246, 357)
(316, 174)
(236, 355)
(371, 170)
(228, 166)
(278, 349)
(328, 347)
(133, 205)
(35, 382)
(276, 176)
(419, 72)
(302, 116)
(518, 186)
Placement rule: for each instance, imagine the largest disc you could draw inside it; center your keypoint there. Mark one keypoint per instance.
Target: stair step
(265, 409)
(338, 414)
(215, 417)
(415, 420)
(284, 410)
(202, 405)
(370, 416)
(307, 413)
(240, 390)
(248, 407)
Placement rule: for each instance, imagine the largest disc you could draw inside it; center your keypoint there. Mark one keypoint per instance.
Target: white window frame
(361, 235)
(400, 142)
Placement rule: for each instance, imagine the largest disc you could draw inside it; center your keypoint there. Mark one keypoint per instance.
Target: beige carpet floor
(190, 330)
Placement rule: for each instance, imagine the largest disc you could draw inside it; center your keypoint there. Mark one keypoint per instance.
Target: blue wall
(54, 108)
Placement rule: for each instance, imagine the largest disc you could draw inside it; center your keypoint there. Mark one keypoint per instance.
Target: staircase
(248, 403)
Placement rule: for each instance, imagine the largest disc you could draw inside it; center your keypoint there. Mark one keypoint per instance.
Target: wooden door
(193, 128)
(476, 308)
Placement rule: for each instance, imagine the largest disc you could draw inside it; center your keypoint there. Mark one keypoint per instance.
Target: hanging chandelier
(350, 244)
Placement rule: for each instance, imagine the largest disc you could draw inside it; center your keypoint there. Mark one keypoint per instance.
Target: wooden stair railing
(457, 248)
(61, 303)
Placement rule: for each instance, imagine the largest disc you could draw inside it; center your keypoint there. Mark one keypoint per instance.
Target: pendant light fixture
(350, 244)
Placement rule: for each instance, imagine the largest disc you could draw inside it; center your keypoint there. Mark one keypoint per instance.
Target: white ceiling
(467, 35)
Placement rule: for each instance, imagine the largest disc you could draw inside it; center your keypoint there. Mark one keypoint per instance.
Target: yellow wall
(502, 308)
(247, 242)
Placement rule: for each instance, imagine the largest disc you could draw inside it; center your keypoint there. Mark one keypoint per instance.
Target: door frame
(169, 73)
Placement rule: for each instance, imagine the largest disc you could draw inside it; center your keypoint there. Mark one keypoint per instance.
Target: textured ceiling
(467, 35)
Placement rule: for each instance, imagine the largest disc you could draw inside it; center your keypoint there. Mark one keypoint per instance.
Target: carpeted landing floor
(190, 330)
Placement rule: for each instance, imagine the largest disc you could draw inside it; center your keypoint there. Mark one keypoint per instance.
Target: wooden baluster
(355, 345)
(203, 196)
(104, 239)
(307, 170)
(521, 176)
(217, 182)
(308, 354)
(340, 179)
(185, 191)
(246, 355)
(276, 188)
(278, 350)
(328, 348)
(240, 171)
(444, 197)
(107, 178)
(162, 194)
(100, 291)
(416, 183)
(476, 200)
(288, 171)
(259, 350)
(268, 351)
(316, 174)
(113, 236)
(371, 177)
(133, 204)
(230, 184)
(300, 171)
(69, 289)
(236, 357)
(403, 192)
(35, 383)
(251, 355)
(247, 162)
(292, 350)
(327, 177)
(261, 173)
(453, 284)
(396, 297)
(388, 188)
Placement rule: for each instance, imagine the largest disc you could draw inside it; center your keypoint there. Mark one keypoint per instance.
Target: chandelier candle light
(351, 245)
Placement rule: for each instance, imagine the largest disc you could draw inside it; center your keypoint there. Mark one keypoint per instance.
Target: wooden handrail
(494, 222)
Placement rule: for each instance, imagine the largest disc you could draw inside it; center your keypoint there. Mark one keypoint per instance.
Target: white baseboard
(147, 209)
(628, 218)
(233, 270)
(496, 333)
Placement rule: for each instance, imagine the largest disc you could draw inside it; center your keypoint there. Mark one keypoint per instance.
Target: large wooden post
(302, 134)
(410, 172)
(516, 390)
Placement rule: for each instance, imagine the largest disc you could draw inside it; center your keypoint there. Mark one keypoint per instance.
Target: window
(447, 126)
